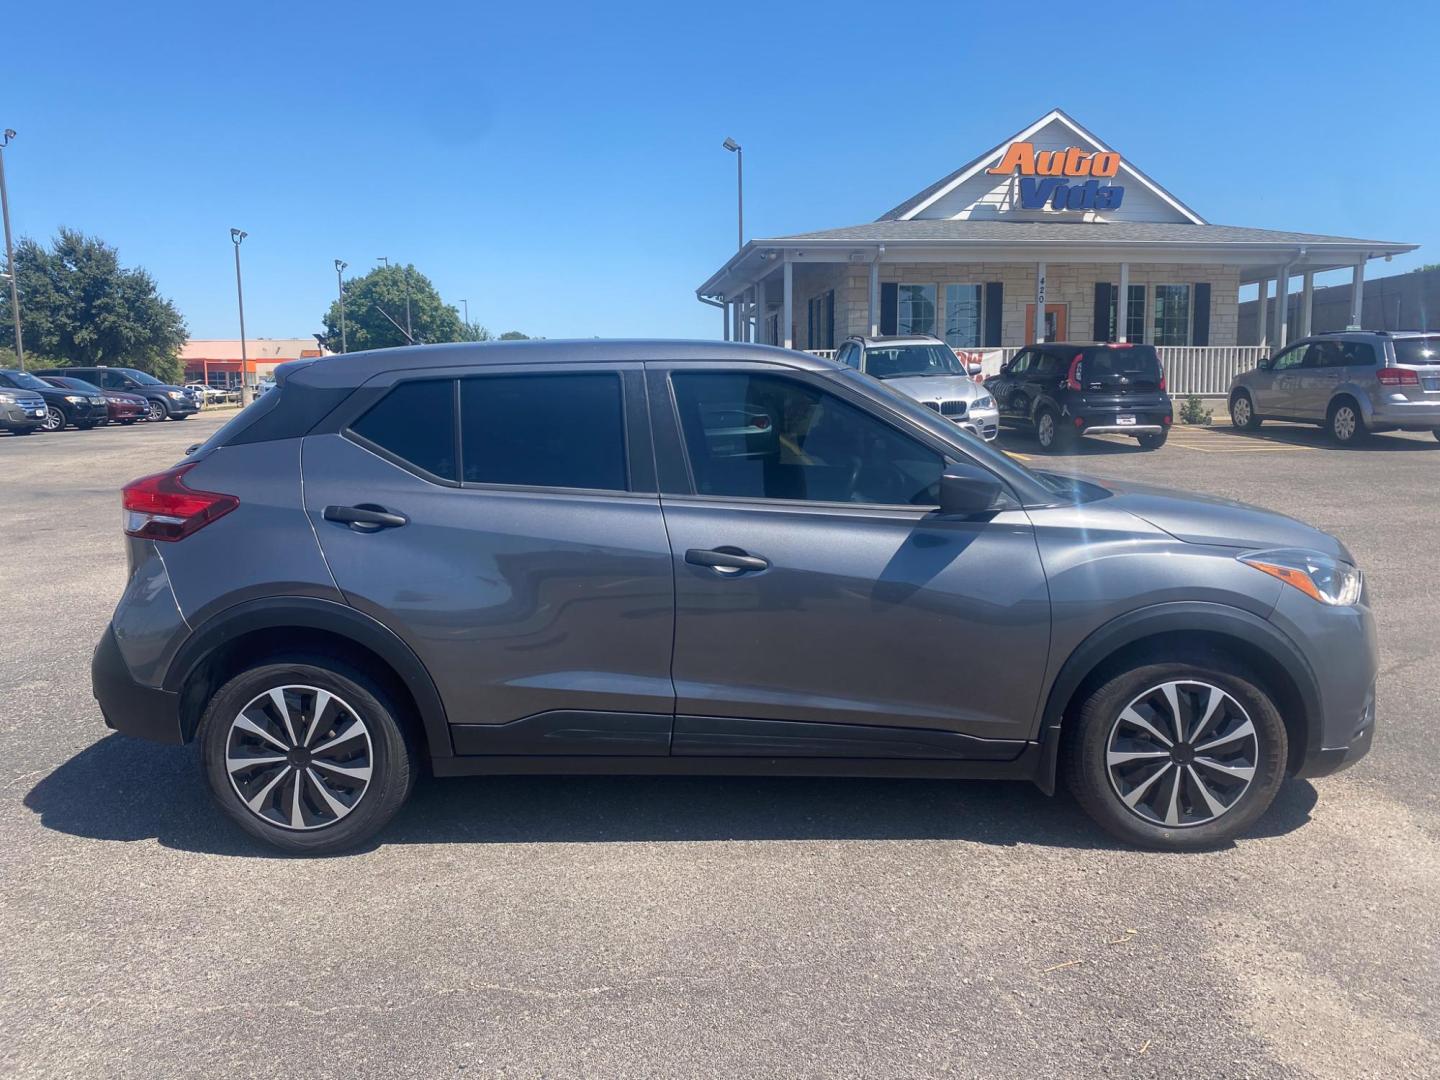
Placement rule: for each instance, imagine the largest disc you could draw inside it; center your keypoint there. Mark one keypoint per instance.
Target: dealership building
(1050, 235)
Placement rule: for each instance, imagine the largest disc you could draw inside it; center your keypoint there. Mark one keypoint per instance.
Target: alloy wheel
(1182, 754)
(157, 411)
(1344, 423)
(299, 757)
(1240, 411)
(54, 419)
(1045, 429)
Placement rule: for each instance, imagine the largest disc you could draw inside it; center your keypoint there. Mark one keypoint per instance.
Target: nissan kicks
(682, 558)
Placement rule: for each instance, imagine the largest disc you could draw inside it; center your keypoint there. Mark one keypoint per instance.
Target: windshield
(142, 377)
(1424, 350)
(909, 361)
(26, 381)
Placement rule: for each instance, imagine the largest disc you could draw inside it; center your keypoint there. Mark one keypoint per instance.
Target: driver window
(763, 436)
(1290, 358)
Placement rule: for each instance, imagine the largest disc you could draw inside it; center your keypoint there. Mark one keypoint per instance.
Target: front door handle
(726, 560)
(366, 517)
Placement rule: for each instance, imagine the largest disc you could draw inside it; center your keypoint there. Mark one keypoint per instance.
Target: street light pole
(467, 313)
(405, 271)
(236, 236)
(10, 253)
(340, 266)
(735, 148)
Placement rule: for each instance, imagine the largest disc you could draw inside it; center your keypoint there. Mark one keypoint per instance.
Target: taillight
(1072, 381)
(1162, 376)
(1397, 376)
(161, 507)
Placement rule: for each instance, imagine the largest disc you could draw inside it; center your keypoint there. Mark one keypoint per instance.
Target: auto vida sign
(1068, 179)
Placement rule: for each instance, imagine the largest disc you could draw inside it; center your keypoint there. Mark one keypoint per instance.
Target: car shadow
(1088, 446)
(125, 790)
(1313, 437)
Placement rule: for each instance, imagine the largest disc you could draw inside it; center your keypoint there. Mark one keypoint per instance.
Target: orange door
(1055, 322)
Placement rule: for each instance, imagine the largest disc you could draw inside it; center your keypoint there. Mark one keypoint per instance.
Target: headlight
(1318, 576)
(986, 402)
(176, 394)
(7, 399)
(74, 399)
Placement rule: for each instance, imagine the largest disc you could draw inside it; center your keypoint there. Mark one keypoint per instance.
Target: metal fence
(1189, 369)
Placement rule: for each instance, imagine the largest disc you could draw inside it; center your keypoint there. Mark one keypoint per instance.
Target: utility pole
(340, 266)
(10, 253)
(237, 235)
(405, 270)
(734, 148)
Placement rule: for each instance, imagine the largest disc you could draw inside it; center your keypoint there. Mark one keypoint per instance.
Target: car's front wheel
(310, 756)
(54, 419)
(1178, 755)
(1242, 412)
(157, 410)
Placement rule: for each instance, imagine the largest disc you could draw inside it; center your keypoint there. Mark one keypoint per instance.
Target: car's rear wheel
(310, 756)
(157, 410)
(1050, 433)
(1345, 424)
(54, 419)
(1242, 412)
(1179, 755)
(1152, 442)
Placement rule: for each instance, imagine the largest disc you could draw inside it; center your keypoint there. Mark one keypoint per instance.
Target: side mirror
(1264, 363)
(1005, 368)
(967, 490)
(974, 367)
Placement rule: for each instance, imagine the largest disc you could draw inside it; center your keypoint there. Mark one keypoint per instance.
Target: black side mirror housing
(967, 489)
(1005, 368)
(1264, 363)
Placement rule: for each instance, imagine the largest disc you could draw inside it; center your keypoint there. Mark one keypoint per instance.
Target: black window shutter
(1200, 332)
(810, 325)
(890, 308)
(829, 342)
(1102, 312)
(994, 312)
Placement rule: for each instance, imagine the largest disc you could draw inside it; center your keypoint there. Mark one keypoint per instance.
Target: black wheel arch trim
(289, 612)
(1192, 616)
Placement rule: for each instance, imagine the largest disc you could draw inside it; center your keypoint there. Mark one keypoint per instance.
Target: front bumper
(21, 417)
(129, 707)
(984, 423)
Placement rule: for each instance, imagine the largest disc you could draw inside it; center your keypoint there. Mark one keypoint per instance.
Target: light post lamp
(340, 266)
(734, 148)
(10, 253)
(466, 304)
(236, 236)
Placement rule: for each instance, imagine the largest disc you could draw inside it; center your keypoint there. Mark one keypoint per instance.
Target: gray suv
(1354, 383)
(701, 558)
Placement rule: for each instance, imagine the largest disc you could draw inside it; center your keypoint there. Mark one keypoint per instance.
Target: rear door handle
(726, 560)
(366, 517)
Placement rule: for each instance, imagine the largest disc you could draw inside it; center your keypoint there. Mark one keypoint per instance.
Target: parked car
(63, 407)
(163, 400)
(120, 408)
(458, 554)
(1062, 391)
(22, 410)
(1354, 383)
(206, 394)
(926, 369)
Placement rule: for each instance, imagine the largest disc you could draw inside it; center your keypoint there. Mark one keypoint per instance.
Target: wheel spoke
(1172, 813)
(277, 696)
(361, 772)
(1217, 698)
(235, 764)
(1240, 732)
(1198, 782)
(1124, 757)
(1172, 697)
(1240, 772)
(1140, 790)
(297, 818)
(337, 808)
(322, 702)
(1130, 716)
(244, 723)
(259, 799)
(355, 728)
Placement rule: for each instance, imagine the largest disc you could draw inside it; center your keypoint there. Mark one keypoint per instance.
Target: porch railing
(1189, 369)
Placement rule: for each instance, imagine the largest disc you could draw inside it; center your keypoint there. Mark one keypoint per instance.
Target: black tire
(1244, 416)
(1152, 442)
(125, 423)
(1050, 433)
(1345, 423)
(390, 751)
(158, 410)
(1436, 433)
(31, 431)
(182, 416)
(1087, 769)
(55, 419)
(84, 427)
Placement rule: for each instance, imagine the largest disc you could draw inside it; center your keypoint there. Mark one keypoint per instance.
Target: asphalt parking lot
(712, 927)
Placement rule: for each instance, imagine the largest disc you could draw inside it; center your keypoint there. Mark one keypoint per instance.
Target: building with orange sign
(1050, 235)
(217, 361)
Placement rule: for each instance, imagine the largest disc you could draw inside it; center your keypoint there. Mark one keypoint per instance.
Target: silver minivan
(1354, 383)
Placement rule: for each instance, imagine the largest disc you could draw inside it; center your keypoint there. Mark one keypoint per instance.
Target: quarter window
(547, 430)
(915, 309)
(1172, 315)
(763, 436)
(414, 423)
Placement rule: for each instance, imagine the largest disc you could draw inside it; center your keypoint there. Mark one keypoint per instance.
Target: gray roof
(1061, 232)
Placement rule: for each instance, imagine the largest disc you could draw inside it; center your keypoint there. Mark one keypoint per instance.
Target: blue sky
(560, 165)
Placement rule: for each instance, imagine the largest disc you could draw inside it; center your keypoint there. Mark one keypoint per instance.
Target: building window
(1134, 315)
(916, 309)
(822, 320)
(963, 325)
(1172, 315)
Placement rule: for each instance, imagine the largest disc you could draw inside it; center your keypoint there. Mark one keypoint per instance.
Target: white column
(1039, 302)
(1282, 307)
(1307, 304)
(785, 308)
(1357, 294)
(1262, 315)
(875, 296)
(1122, 305)
(762, 324)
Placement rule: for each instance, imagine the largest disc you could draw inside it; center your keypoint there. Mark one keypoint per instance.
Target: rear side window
(414, 423)
(561, 430)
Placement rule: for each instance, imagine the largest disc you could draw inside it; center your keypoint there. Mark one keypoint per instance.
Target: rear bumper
(129, 707)
(1419, 415)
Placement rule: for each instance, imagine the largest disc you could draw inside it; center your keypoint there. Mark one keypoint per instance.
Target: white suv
(926, 369)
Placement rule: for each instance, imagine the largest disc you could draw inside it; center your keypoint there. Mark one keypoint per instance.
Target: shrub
(1194, 411)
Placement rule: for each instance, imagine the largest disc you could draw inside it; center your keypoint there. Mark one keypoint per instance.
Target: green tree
(79, 306)
(514, 335)
(383, 290)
